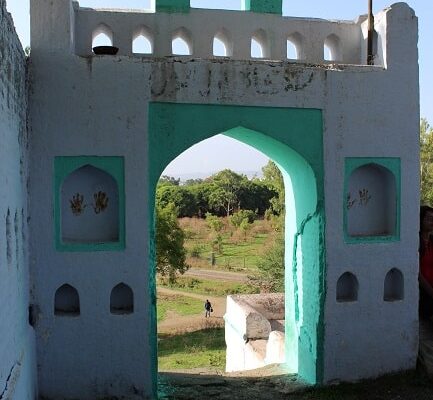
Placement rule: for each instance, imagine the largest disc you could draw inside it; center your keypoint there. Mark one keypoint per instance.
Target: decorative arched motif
(142, 41)
(393, 288)
(67, 301)
(182, 43)
(332, 48)
(371, 202)
(222, 44)
(295, 49)
(347, 288)
(102, 36)
(260, 45)
(122, 299)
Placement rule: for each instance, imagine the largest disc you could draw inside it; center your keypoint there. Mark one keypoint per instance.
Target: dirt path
(175, 323)
(217, 275)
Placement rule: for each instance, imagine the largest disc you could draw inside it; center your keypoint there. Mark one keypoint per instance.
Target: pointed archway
(293, 139)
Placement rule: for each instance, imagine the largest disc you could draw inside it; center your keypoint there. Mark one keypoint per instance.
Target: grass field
(239, 251)
(181, 305)
(209, 287)
(200, 349)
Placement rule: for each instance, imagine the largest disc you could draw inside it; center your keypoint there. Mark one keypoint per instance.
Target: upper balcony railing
(212, 33)
(173, 28)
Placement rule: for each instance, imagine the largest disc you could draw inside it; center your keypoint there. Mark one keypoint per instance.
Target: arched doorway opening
(293, 139)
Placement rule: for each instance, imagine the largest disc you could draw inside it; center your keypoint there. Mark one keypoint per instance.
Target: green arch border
(278, 132)
(65, 165)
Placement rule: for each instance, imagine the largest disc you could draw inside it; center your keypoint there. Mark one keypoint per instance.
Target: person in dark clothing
(208, 308)
(426, 262)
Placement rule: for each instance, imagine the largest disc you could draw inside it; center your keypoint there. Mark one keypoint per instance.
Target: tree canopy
(426, 162)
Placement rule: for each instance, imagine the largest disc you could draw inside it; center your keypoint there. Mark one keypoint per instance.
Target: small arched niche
(122, 300)
(371, 202)
(102, 36)
(260, 45)
(66, 301)
(142, 41)
(181, 44)
(89, 207)
(347, 288)
(332, 48)
(393, 286)
(222, 44)
(295, 47)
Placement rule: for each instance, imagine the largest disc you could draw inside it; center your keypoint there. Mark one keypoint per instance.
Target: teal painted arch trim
(294, 139)
(257, 6)
(63, 167)
(391, 164)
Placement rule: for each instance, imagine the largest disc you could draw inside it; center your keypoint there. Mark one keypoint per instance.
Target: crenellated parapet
(64, 25)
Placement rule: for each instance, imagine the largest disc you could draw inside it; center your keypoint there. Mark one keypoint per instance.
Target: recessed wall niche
(393, 289)
(372, 199)
(66, 301)
(89, 201)
(347, 288)
(122, 300)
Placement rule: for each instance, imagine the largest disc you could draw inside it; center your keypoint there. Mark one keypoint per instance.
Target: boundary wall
(17, 346)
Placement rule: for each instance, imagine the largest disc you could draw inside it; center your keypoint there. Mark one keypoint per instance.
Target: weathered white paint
(17, 347)
(84, 105)
(254, 331)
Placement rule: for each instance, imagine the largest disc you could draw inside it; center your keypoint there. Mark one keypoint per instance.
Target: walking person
(208, 308)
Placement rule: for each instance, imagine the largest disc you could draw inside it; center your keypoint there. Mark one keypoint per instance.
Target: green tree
(273, 179)
(214, 222)
(238, 217)
(226, 189)
(170, 251)
(426, 162)
(182, 197)
(270, 275)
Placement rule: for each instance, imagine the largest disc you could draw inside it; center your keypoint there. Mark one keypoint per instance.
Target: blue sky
(236, 155)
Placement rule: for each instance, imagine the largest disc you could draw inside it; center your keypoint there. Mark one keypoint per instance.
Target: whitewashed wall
(17, 358)
(84, 105)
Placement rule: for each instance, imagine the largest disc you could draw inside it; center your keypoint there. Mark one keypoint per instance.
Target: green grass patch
(239, 252)
(209, 287)
(200, 349)
(181, 305)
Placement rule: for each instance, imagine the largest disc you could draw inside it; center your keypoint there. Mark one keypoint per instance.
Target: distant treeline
(223, 193)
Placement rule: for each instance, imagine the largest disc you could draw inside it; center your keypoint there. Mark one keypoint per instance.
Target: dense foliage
(222, 194)
(426, 160)
(170, 251)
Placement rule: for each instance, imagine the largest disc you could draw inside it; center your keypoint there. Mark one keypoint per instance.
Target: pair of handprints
(362, 200)
(99, 205)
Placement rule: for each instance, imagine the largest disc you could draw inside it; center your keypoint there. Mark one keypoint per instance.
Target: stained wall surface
(17, 360)
(87, 105)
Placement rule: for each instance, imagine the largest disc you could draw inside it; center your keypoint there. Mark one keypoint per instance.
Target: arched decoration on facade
(89, 203)
(142, 41)
(372, 191)
(182, 42)
(67, 301)
(393, 289)
(295, 46)
(122, 299)
(347, 288)
(222, 44)
(332, 48)
(260, 47)
(102, 36)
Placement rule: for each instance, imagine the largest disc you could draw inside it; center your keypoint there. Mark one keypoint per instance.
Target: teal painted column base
(173, 6)
(264, 6)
